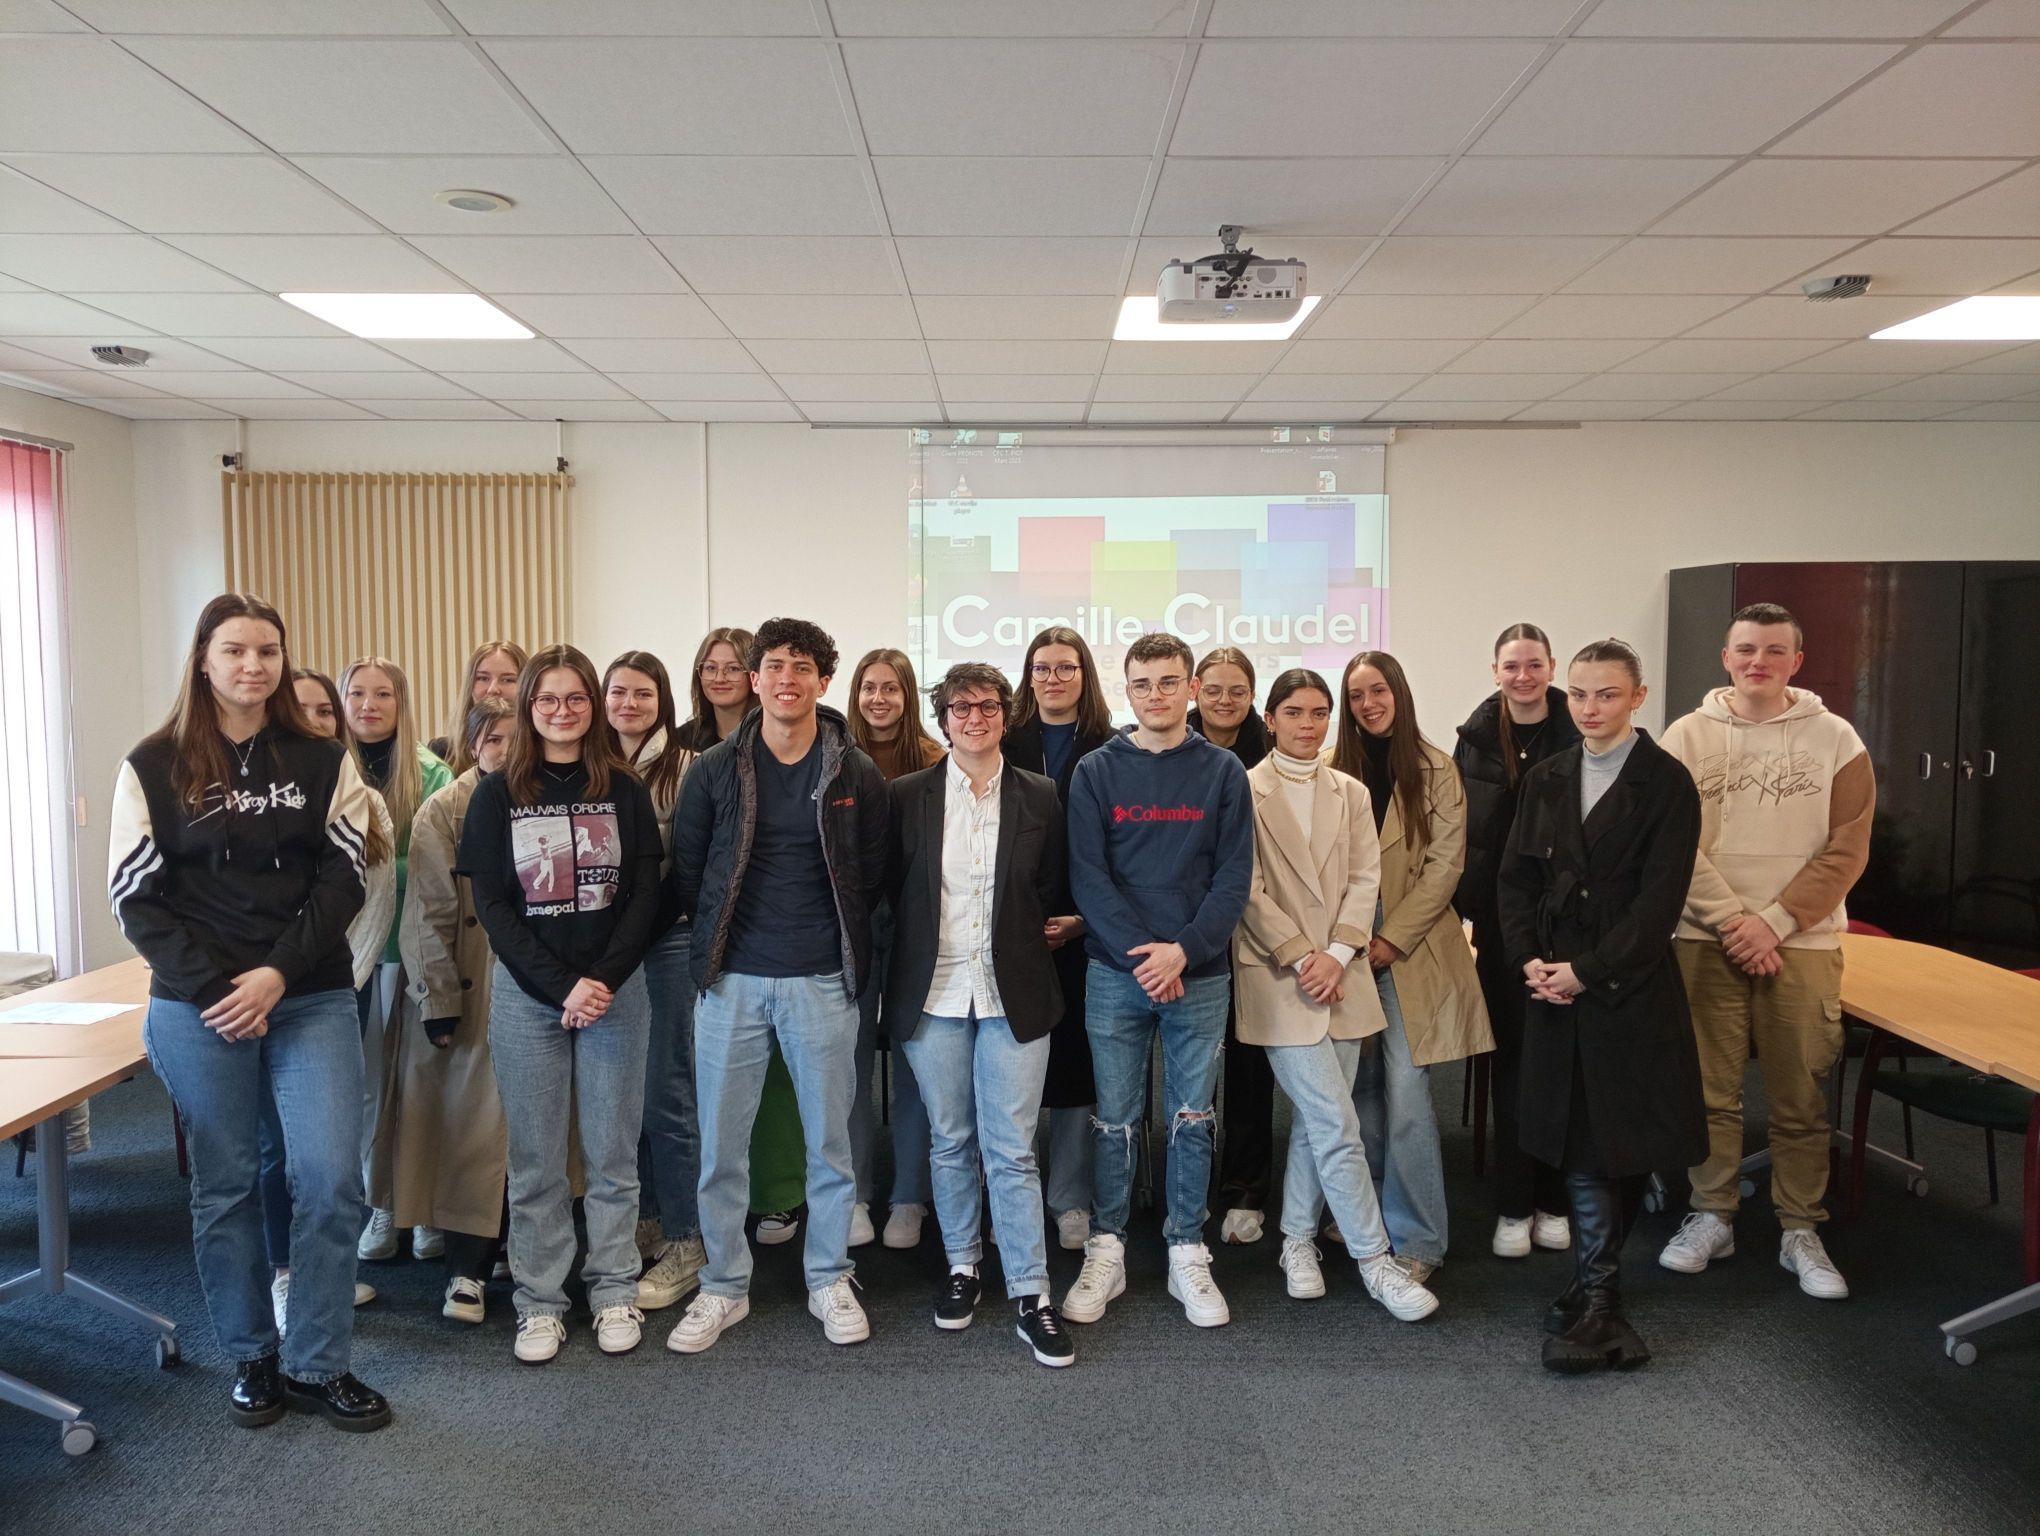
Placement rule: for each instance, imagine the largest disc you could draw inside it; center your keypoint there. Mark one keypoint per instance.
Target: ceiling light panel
(411, 316)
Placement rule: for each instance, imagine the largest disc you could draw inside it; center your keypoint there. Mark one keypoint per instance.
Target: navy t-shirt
(1057, 742)
(785, 920)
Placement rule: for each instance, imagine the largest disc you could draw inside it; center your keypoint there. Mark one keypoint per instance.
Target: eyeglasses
(986, 709)
(1219, 694)
(717, 670)
(1166, 687)
(553, 703)
(1062, 671)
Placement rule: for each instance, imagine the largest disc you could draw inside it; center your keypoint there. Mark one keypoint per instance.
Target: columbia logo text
(1156, 813)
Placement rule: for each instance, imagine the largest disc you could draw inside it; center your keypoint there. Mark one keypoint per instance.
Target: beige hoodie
(1785, 810)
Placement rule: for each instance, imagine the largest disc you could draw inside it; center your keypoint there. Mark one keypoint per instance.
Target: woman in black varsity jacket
(235, 867)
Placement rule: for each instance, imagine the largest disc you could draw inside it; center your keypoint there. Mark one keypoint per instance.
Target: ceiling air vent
(120, 357)
(1821, 289)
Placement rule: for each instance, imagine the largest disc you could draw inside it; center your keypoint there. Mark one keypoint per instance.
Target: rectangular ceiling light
(1139, 321)
(411, 316)
(1998, 317)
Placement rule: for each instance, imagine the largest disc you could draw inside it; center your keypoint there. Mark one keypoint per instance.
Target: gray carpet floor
(1763, 1410)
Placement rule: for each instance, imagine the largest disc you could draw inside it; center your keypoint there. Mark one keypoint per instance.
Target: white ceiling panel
(1957, 386)
(1767, 18)
(1335, 386)
(2015, 360)
(1722, 356)
(1593, 410)
(1041, 387)
(1490, 386)
(2003, 410)
(698, 386)
(1927, 266)
(1622, 98)
(1309, 356)
(488, 356)
(729, 96)
(1007, 267)
(45, 314)
(1469, 316)
(1275, 198)
(781, 264)
(444, 410)
(1143, 357)
(661, 355)
(1779, 315)
(307, 354)
(126, 262)
(1543, 356)
(726, 410)
(2011, 207)
(265, 408)
(958, 317)
(164, 352)
(1474, 264)
(740, 194)
(1169, 386)
(871, 411)
(83, 95)
(1327, 259)
(852, 356)
(2000, 18)
(360, 98)
(1825, 197)
(1345, 98)
(1877, 410)
(29, 208)
(855, 386)
(1014, 356)
(227, 384)
(576, 409)
(1946, 99)
(1722, 410)
(1137, 412)
(1044, 18)
(929, 195)
(549, 195)
(15, 285)
(163, 409)
(317, 263)
(515, 387)
(411, 384)
(1300, 412)
(1817, 387)
(1389, 18)
(414, 17)
(844, 316)
(1699, 264)
(1651, 386)
(13, 355)
(1541, 195)
(211, 314)
(612, 314)
(980, 96)
(37, 16)
(1451, 410)
(998, 413)
(81, 384)
(553, 263)
(1897, 356)
(636, 18)
(1641, 316)
(197, 194)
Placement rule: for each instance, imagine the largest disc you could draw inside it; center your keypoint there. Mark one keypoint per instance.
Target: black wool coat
(1606, 895)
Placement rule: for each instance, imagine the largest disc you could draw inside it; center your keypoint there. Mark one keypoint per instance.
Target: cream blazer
(1306, 895)
(1443, 1012)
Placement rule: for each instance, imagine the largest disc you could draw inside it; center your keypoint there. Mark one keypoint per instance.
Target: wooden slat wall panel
(416, 567)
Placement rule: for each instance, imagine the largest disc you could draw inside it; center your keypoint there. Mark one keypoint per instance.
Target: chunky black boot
(1598, 1337)
(256, 1397)
(1565, 1310)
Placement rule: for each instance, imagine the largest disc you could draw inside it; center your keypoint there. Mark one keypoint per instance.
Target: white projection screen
(1277, 545)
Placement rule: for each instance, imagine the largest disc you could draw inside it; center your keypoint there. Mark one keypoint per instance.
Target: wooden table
(70, 1064)
(1982, 1016)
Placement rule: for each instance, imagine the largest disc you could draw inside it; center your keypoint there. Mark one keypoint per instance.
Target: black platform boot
(1597, 1336)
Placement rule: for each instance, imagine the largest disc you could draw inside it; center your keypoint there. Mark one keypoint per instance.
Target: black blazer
(1606, 894)
(1030, 879)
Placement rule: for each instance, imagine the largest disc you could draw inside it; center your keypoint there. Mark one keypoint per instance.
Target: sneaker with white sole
(675, 1272)
(463, 1300)
(428, 1243)
(843, 1319)
(364, 1293)
(1241, 1226)
(1190, 1282)
(539, 1337)
(619, 1329)
(778, 1227)
(903, 1226)
(1806, 1256)
(862, 1233)
(378, 1238)
(1512, 1237)
(1073, 1230)
(1042, 1331)
(1702, 1238)
(1301, 1266)
(1552, 1232)
(1100, 1282)
(1389, 1283)
(706, 1319)
(650, 1234)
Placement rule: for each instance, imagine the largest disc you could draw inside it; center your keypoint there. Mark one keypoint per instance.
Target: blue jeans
(1122, 1022)
(669, 1150)
(1327, 1162)
(544, 1071)
(1400, 1130)
(1069, 1158)
(311, 1061)
(983, 1090)
(735, 1023)
(910, 1184)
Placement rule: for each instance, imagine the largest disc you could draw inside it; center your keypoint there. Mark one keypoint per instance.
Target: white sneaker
(1240, 1226)
(1073, 1230)
(903, 1226)
(1100, 1282)
(378, 1238)
(1702, 1238)
(1390, 1284)
(619, 1329)
(364, 1293)
(1190, 1282)
(675, 1272)
(1806, 1256)
(279, 1298)
(843, 1320)
(861, 1231)
(428, 1243)
(1549, 1231)
(649, 1236)
(706, 1318)
(1512, 1237)
(463, 1300)
(539, 1337)
(1300, 1264)
(778, 1227)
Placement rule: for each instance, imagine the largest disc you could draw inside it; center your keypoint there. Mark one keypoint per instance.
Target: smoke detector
(120, 357)
(472, 200)
(1821, 289)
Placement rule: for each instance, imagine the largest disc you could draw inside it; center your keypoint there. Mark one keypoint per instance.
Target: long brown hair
(1408, 767)
(405, 791)
(199, 758)
(375, 846)
(703, 727)
(456, 714)
(1094, 715)
(1512, 767)
(481, 714)
(662, 773)
(601, 753)
(911, 747)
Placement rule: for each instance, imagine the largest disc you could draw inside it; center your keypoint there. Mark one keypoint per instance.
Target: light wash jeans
(1069, 1157)
(1400, 1130)
(1122, 1023)
(735, 1023)
(311, 1062)
(669, 1150)
(910, 1184)
(543, 1070)
(1327, 1163)
(983, 1091)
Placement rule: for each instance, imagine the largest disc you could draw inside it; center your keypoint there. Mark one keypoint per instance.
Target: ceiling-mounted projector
(1233, 287)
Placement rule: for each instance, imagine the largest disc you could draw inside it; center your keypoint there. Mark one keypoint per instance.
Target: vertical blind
(38, 889)
(420, 568)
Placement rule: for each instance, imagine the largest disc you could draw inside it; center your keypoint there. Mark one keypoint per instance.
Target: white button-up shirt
(963, 982)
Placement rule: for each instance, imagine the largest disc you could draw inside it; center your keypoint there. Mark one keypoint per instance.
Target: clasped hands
(585, 1004)
(1752, 944)
(1552, 981)
(243, 1014)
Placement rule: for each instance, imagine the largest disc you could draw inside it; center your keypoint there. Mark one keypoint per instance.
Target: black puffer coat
(1490, 797)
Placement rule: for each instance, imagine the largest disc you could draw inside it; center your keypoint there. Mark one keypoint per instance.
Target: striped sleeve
(136, 890)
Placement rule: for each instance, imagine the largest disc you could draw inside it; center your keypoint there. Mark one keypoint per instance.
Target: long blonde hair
(456, 713)
(911, 746)
(405, 791)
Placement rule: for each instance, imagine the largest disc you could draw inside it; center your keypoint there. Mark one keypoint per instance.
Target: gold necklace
(1295, 778)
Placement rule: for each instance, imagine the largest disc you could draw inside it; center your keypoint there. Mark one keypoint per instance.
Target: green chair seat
(1990, 1103)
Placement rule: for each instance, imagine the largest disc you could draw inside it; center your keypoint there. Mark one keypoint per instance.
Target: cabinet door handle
(1989, 763)
(1926, 765)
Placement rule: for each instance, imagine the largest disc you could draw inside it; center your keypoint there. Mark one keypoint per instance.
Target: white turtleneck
(1298, 778)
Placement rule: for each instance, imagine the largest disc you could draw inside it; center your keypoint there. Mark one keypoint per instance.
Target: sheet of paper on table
(64, 1013)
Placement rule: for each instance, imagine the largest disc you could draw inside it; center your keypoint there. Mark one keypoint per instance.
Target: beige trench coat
(1307, 895)
(1435, 982)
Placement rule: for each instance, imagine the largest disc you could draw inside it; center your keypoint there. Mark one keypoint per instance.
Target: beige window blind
(417, 567)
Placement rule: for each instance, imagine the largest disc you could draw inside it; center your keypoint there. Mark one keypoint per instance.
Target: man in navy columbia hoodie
(1161, 830)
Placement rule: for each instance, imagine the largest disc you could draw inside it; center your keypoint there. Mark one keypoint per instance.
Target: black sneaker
(1042, 1330)
(957, 1301)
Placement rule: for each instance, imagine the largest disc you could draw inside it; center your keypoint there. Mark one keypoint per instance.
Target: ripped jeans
(1121, 1023)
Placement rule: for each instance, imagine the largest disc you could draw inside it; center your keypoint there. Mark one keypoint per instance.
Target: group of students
(577, 948)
